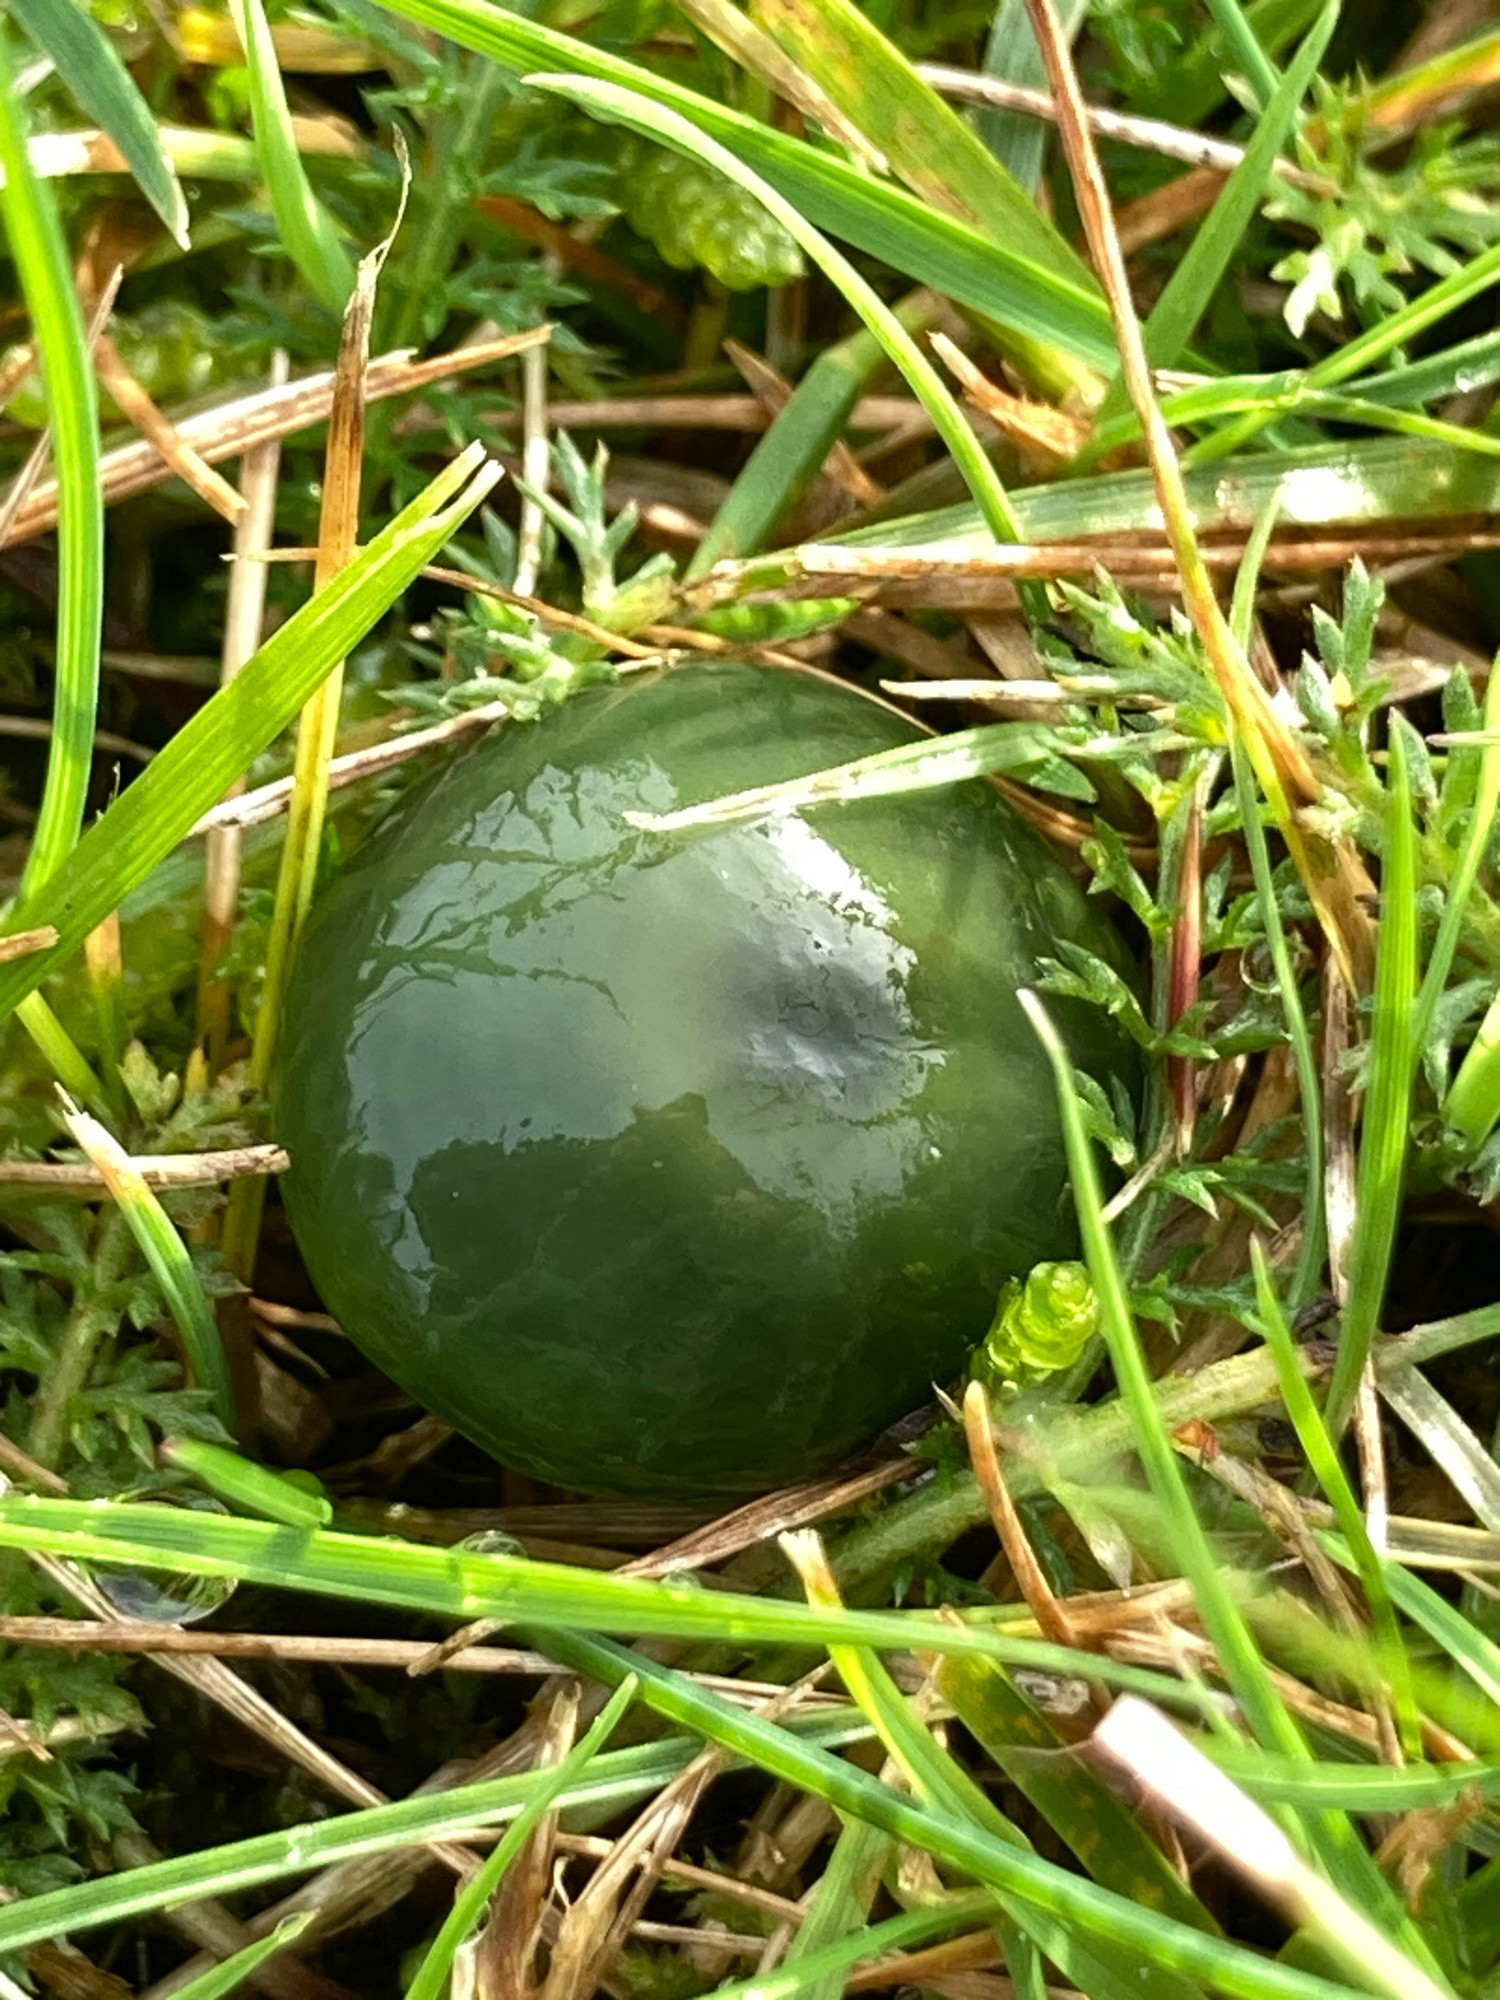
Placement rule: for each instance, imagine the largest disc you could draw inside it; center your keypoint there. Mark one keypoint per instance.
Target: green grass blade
(936, 1778)
(308, 232)
(1244, 48)
(1470, 1650)
(246, 1485)
(1394, 330)
(167, 1255)
(612, 1782)
(468, 1584)
(473, 1900)
(1011, 54)
(1196, 278)
(880, 219)
(652, 121)
(37, 247)
(101, 86)
(929, 145)
(230, 731)
(1313, 1247)
(788, 455)
(1073, 1902)
(836, 1922)
(1222, 1617)
(1335, 1840)
(1393, 1059)
(1093, 1821)
(1361, 1788)
(1328, 1469)
(913, 767)
(1469, 364)
(223, 1978)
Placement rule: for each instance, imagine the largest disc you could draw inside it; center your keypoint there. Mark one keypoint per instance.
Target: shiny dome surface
(678, 1164)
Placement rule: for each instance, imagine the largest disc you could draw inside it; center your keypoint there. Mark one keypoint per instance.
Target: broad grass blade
(100, 85)
(230, 731)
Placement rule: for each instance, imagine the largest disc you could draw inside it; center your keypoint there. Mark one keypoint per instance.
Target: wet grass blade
(467, 1584)
(34, 238)
(101, 86)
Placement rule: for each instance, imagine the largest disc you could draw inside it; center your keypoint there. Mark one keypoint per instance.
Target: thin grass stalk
(167, 1254)
(1328, 1468)
(317, 731)
(1473, 1102)
(1281, 765)
(1260, 71)
(474, 1898)
(1393, 1058)
(244, 617)
(307, 229)
(1311, 1250)
(37, 246)
(1222, 1617)
(1336, 1841)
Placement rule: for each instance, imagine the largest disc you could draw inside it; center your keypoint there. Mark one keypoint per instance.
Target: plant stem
(93, 1316)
